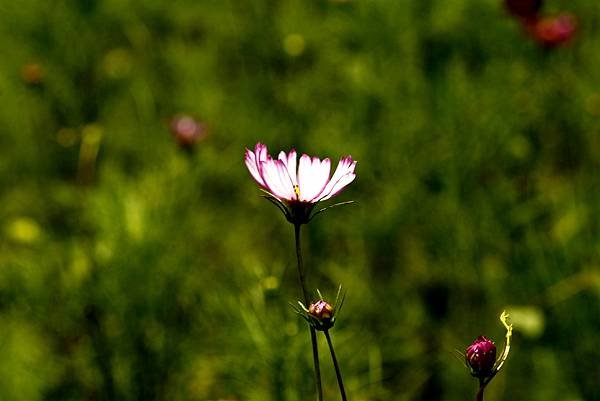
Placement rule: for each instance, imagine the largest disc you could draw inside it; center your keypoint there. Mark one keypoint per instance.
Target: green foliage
(131, 269)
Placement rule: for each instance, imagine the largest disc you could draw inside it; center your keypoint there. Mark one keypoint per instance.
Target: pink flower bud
(322, 312)
(481, 357)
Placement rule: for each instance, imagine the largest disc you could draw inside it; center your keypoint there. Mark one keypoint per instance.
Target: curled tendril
(504, 320)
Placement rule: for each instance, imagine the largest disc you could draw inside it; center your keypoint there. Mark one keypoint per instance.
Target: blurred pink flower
(187, 131)
(554, 31)
(309, 183)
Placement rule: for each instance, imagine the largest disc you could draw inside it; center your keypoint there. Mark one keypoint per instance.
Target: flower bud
(481, 357)
(322, 313)
(526, 9)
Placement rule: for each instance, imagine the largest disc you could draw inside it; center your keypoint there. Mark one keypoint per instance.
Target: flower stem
(338, 372)
(479, 396)
(315, 349)
(313, 333)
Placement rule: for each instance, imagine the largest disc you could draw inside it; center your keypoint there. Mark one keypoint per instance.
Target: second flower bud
(321, 315)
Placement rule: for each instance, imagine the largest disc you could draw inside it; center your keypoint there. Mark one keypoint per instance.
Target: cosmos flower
(298, 186)
(187, 131)
(553, 31)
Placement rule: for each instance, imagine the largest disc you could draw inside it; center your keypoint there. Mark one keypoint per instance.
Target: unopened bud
(321, 315)
(322, 312)
(481, 357)
(526, 9)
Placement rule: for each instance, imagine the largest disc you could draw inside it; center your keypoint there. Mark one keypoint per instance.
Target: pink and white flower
(298, 184)
(308, 183)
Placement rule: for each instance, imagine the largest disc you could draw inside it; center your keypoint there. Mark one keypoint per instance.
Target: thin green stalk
(338, 372)
(313, 333)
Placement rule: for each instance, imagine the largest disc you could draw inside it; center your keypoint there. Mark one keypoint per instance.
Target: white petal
(252, 165)
(313, 176)
(344, 175)
(277, 179)
(289, 161)
(261, 152)
(291, 166)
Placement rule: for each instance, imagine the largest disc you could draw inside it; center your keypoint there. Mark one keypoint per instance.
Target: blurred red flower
(555, 30)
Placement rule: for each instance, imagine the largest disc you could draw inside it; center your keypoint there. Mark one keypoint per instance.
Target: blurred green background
(133, 269)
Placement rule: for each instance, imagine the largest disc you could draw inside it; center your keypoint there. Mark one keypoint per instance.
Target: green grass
(133, 270)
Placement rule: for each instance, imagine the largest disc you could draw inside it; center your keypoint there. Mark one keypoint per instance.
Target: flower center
(297, 190)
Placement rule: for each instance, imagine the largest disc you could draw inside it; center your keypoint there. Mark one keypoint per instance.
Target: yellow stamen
(297, 190)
